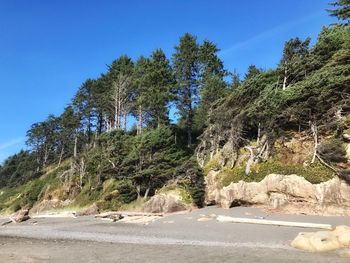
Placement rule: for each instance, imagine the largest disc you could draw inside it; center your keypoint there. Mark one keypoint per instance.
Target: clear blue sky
(48, 48)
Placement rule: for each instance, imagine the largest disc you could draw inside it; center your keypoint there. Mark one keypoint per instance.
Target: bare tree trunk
(61, 156)
(146, 193)
(259, 131)
(116, 99)
(138, 190)
(285, 79)
(82, 172)
(46, 155)
(119, 113)
(75, 146)
(315, 135)
(139, 128)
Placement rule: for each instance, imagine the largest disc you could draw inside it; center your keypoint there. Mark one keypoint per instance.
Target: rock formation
(289, 193)
(322, 241)
(166, 203)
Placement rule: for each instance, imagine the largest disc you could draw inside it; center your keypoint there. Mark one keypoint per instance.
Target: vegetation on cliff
(115, 142)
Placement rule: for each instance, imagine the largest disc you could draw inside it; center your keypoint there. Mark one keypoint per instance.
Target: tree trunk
(125, 120)
(46, 156)
(61, 156)
(285, 79)
(75, 146)
(139, 128)
(116, 105)
(99, 123)
(189, 128)
(315, 135)
(258, 137)
(82, 172)
(146, 193)
(138, 189)
(189, 118)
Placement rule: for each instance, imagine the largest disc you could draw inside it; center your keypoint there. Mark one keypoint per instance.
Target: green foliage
(252, 72)
(342, 10)
(186, 71)
(192, 181)
(18, 169)
(14, 198)
(314, 173)
(332, 151)
(114, 166)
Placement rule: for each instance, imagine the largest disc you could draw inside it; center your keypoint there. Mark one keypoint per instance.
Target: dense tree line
(140, 91)
(118, 125)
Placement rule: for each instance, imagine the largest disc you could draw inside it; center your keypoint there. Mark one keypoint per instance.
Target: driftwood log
(271, 222)
(18, 217)
(116, 216)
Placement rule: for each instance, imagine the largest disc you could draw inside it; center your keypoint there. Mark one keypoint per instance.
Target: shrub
(332, 151)
(314, 173)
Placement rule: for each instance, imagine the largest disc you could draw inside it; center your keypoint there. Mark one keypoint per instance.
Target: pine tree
(141, 84)
(84, 106)
(235, 80)
(343, 10)
(213, 86)
(252, 71)
(186, 70)
(292, 65)
(43, 138)
(69, 124)
(159, 92)
(120, 74)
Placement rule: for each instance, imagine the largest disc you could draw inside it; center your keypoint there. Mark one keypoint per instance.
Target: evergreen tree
(235, 80)
(141, 84)
(252, 71)
(43, 139)
(84, 106)
(159, 92)
(186, 70)
(293, 62)
(120, 76)
(213, 86)
(343, 10)
(69, 125)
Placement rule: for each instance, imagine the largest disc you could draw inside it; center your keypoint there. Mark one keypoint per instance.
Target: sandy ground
(174, 238)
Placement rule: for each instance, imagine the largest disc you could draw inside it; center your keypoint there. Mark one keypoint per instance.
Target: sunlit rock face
(166, 203)
(290, 193)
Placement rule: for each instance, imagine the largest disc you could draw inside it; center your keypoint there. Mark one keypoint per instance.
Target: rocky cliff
(287, 193)
(298, 176)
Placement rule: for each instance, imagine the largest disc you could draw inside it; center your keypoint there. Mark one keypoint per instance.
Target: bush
(332, 151)
(314, 173)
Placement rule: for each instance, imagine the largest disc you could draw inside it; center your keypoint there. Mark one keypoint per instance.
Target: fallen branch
(229, 219)
(124, 214)
(326, 164)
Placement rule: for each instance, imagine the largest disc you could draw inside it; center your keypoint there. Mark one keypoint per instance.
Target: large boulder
(168, 202)
(323, 241)
(212, 188)
(291, 193)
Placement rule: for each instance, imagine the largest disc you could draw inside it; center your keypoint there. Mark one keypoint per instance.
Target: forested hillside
(116, 142)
